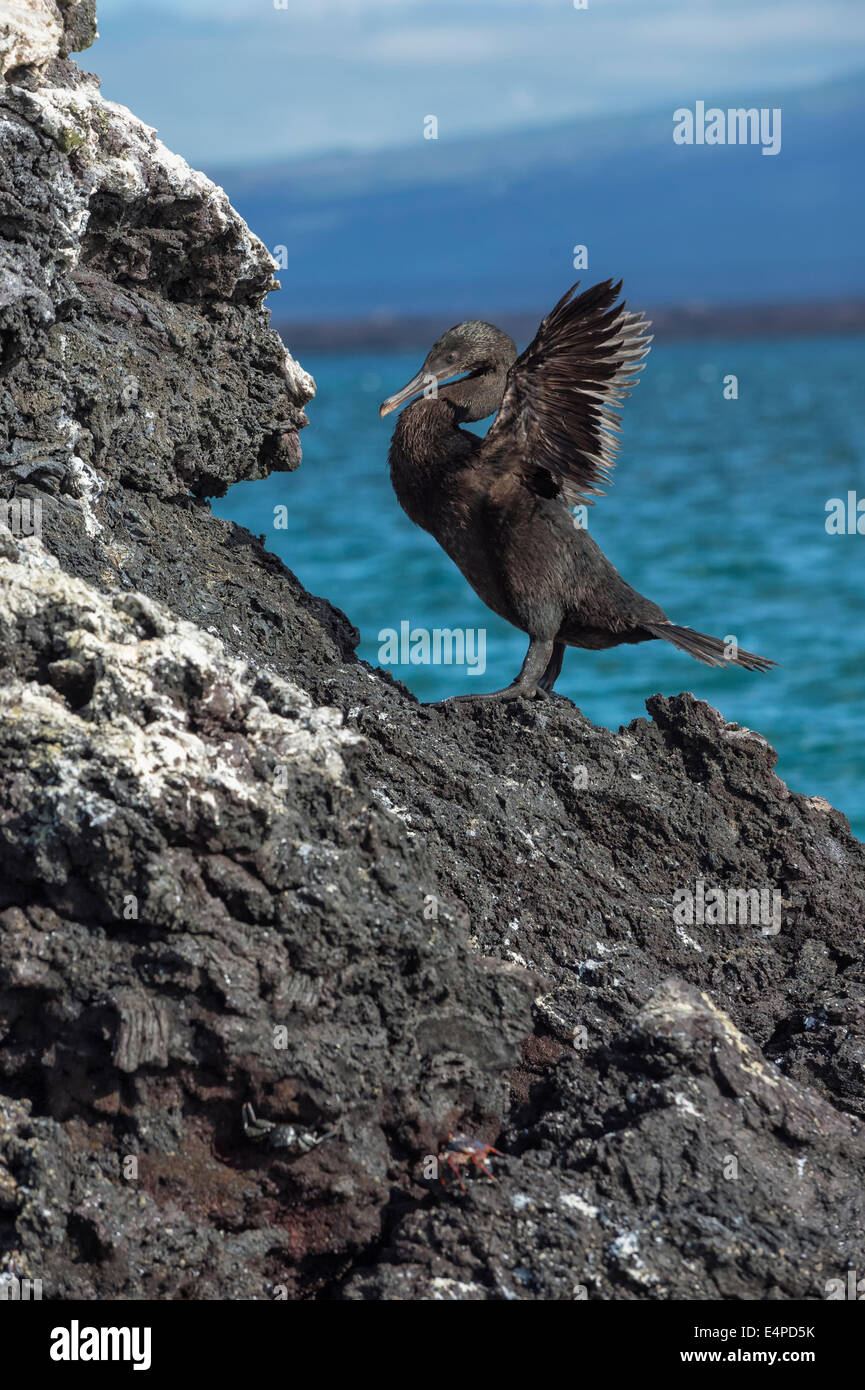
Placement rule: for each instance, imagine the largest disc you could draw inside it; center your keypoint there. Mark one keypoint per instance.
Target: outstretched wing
(558, 418)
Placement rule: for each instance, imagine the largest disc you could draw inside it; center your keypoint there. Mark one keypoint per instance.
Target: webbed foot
(516, 691)
(529, 684)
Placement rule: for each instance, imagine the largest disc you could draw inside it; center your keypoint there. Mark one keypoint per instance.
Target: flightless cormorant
(500, 506)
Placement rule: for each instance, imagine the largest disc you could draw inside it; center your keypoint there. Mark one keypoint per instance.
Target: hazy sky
(229, 81)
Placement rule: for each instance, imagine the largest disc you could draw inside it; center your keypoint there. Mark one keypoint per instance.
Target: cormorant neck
(478, 395)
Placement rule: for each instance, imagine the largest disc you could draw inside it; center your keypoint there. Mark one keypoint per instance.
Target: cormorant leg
(554, 669)
(526, 685)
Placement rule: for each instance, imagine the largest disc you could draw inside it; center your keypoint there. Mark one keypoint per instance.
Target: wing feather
(559, 412)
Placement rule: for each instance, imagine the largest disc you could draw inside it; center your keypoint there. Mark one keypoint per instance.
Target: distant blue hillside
(479, 225)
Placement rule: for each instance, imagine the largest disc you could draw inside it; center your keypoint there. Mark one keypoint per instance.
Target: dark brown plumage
(500, 506)
(559, 406)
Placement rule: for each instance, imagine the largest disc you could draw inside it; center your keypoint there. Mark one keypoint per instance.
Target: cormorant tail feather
(710, 650)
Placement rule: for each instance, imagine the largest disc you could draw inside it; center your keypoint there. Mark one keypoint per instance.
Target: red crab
(461, 1150)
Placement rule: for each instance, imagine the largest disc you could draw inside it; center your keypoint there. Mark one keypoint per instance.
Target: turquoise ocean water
(717, 512)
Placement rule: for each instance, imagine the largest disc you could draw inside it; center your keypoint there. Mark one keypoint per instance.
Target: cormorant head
(471, 350)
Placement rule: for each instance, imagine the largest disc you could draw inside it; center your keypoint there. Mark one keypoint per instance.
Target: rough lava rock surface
(239, 866)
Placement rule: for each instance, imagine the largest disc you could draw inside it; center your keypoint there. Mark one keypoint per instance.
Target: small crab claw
(254, 1129)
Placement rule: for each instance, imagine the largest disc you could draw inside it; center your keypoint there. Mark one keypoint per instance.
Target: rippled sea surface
(717, 512)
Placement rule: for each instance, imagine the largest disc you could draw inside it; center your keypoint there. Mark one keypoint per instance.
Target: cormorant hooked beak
(417, 383)
(422, 382)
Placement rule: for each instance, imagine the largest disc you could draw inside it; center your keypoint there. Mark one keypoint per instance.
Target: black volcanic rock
(133, 292)
(240, 867)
